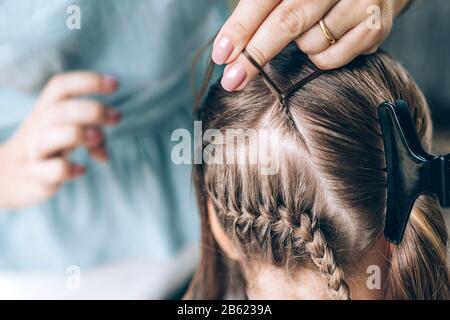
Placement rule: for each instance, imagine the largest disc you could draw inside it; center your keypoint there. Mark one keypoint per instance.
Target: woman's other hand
(34, 162)
(265, 27)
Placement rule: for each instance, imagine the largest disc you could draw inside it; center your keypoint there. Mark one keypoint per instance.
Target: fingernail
(110, 82)
(234, 77)
(77, 170)
(113, 116)
(222, 51)
(94, 137)
(102, 155)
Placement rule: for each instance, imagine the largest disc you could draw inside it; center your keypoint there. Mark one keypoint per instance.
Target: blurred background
(421, 41)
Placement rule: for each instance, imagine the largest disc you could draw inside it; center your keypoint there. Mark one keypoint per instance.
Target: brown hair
(326, 205)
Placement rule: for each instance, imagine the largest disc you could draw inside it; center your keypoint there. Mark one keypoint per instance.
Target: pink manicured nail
(113, 116)
(110, 82)
(101, 154)
(222, 51)
(77, 170)
(94, 137)
(234, 77)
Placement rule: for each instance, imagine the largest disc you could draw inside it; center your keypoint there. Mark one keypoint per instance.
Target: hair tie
(282, 96)
(270, 83)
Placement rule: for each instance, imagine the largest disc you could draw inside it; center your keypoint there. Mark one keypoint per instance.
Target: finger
(93, 137)
(284, 24)
(313, 41)
(96, 144)
(99, 154)
(239, 28)
(357, 41)
(57, 140)
(61, 139)
(73, 84)
(371, 50)
(34, 192)
(82, 112)
(400, 5)
(54, 172)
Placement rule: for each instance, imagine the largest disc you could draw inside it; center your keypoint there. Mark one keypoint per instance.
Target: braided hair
(325, 205)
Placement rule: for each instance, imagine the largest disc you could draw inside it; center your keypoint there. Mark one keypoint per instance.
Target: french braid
(299, 233)
(278, 229)
(325, 207)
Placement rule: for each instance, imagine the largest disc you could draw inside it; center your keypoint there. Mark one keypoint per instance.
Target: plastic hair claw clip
(411, 171)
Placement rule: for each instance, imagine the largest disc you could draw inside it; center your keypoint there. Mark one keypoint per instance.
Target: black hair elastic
(282, 96)
(411, 171)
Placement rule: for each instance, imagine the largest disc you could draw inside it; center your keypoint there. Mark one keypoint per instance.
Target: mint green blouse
(140, 203)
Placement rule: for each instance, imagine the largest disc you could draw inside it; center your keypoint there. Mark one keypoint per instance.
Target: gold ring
(326, 32)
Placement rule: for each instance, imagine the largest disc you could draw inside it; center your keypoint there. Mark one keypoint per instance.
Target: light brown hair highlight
(326, 205)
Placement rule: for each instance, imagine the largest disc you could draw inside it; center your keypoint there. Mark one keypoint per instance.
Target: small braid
(274, 225)
(324, 258)
(309, 237)
(299, 236)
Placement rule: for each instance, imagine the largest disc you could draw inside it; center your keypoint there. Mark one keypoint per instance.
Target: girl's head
(313, 228)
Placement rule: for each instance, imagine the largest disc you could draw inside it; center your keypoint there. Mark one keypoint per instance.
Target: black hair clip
(411, 171)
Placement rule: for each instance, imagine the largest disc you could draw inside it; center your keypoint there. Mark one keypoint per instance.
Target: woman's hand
(265, 27)
(33, 163)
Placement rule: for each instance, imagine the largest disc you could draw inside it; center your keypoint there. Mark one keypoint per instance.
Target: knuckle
(236, 27)
(38, 144)
(258, 3)
(50, 191)
(236, 31)
(64, 113)
(57, 78)
(291, 20)
(38, 148)
(96, 82)
(52, 111)
(56, 82)
(307, 46)
(95, 111)
(59, 172)
(44, 190)
(387, 26)
(44, 120)
(322, 62)
(34, 149)
(372, 51)
(376, 35)
(74, 134)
